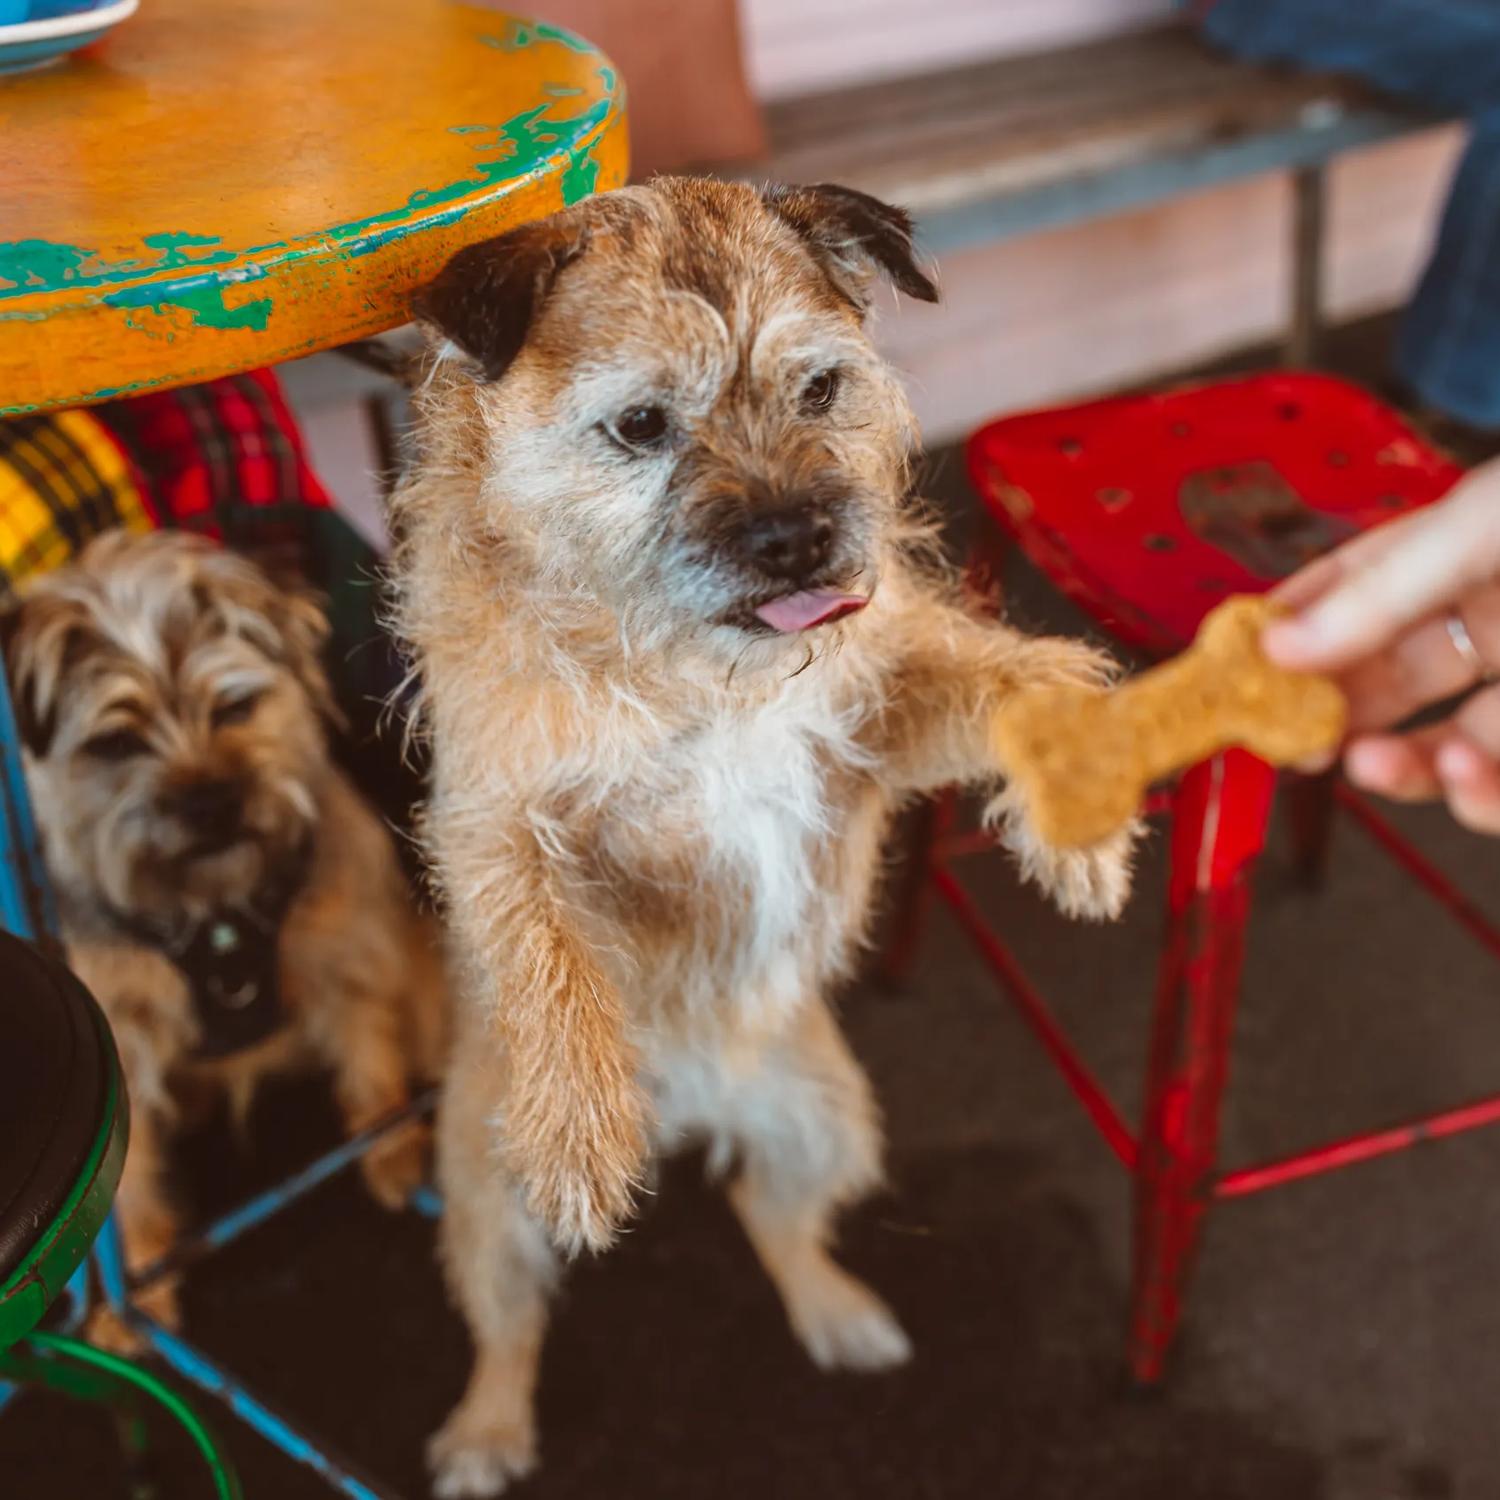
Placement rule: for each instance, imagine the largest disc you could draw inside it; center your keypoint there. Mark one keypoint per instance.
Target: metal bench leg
(382, 430)
(1309, 204)
(1222, 807)
(911, 898)
(1310, 804)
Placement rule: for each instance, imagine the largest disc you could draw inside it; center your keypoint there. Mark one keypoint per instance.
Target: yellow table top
(221, 184)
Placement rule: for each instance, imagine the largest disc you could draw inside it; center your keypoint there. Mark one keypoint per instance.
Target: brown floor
(1345, 1334)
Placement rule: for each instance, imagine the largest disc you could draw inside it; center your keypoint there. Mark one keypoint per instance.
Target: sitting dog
(224, 891)
(684, 650)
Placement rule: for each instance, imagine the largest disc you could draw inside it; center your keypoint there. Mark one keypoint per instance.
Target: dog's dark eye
(641, 426)
(118, 744)
(235, 710)
(818, 393)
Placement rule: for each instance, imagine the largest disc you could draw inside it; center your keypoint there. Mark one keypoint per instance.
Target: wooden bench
(997, 149)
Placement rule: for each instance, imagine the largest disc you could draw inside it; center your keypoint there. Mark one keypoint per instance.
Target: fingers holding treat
(1470, 775)
(1457, 761)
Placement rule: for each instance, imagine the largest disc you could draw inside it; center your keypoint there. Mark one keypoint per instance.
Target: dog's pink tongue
(809, 607)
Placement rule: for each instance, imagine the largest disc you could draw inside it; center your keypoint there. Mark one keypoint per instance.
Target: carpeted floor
(1345, 1334)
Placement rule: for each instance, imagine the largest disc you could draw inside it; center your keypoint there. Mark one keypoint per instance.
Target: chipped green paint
(174, 249)
(201, 297)
(581, 178)
(32, 264)
(519, 34)
(38, 265)
(522, 145)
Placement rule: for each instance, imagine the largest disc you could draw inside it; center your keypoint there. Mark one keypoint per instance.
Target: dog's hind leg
(500, 1270)
(146, 1000)
(809, 1132)
(370, 1071)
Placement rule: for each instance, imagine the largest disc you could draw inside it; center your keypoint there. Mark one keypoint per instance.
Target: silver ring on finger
(1463, 643)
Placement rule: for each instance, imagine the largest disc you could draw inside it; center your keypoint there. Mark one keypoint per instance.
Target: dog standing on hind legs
(684, 652)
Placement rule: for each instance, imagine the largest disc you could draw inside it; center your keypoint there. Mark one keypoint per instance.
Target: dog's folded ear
(484, 300)
(41, 640)
(304, 629)
(287, 624)
(854, 237)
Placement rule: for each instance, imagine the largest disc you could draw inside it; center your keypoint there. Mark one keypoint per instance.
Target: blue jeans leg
(1446, 54)
(1448, 350)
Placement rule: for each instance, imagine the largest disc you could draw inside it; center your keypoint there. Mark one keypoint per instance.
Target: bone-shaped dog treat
(1083, 757)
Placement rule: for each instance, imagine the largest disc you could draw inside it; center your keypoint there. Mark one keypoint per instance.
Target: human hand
(1404, 617)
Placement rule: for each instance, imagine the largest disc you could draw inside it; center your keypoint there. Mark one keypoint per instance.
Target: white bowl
(34, 44)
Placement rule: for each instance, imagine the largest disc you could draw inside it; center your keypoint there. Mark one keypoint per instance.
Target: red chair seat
(1148, 510)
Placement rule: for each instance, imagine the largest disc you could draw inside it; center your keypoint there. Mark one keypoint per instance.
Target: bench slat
(1155, 106)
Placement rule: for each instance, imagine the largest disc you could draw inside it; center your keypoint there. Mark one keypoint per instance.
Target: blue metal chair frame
(27, 909)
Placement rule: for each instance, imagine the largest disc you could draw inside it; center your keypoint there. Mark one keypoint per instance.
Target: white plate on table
(34, 44)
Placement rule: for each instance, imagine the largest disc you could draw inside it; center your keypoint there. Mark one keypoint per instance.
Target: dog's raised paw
(1093, 883)
(397, 1166)
(845, 1326)
(470, 1462)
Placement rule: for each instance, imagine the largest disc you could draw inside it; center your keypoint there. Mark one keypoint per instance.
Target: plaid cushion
(63, 479)
(205, 456)
(207, 450)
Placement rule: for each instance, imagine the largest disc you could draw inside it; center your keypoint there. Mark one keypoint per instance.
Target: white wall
(1079, 310)
(799, 45)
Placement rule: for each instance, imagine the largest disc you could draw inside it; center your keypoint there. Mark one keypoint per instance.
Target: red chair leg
(1219, 827)
(985, 566)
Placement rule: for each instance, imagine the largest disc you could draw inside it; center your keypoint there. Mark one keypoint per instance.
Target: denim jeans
(1443, 53)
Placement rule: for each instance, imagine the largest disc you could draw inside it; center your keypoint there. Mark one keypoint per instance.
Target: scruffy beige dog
(682, 658)
(224, 891)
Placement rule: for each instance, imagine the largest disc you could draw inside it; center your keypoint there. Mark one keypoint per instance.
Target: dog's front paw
(1092, 883)
(107, 1330)
(471, 1458)
(843, 1325)
(397, 1164)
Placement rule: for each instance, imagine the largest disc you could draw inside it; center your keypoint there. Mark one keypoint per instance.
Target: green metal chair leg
(78, 1369)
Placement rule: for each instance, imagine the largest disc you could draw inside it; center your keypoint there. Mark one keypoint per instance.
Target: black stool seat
(55, 1075)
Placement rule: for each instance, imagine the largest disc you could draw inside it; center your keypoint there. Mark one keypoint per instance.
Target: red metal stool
(1147, 510)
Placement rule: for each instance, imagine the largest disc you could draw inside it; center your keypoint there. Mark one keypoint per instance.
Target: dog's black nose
(210, 807)
(794, 543)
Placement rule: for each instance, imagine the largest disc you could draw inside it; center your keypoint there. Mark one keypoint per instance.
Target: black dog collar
(230, 958)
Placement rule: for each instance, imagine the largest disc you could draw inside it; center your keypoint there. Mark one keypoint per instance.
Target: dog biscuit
(1083, 757)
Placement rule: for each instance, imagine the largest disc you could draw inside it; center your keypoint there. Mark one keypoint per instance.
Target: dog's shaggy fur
(172, 709)
(649, 423)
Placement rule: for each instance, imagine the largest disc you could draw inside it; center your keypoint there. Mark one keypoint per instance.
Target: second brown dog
(225, 892)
